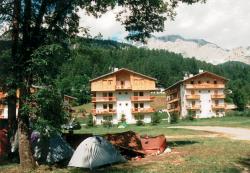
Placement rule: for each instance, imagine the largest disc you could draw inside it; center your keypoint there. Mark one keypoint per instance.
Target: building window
(94, 106)
(208, 81)
(136, 105)
(209, 91)
(192, 82)
(199, 91)
(141, 93)
(126, 104)
(122, 82)
(199, 82)
(216, 102)
(105, 106)
(193, 103)
(135, 93)
(110, 106)
(119, 93)
(141, 105)
(110, 94)
(108, 118)
(104, 94)
(215, 82)
(126, 92)
(139, 117)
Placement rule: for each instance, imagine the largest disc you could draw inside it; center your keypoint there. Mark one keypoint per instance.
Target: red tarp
(3, 142)
(154, 145)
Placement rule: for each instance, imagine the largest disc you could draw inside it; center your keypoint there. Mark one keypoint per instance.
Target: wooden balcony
(177, 109)
(219, 106)
(142, 110)
(123, 87)
(192, 97)
(2, 106)
(103, 111)
(173, 100)
(194, 107)
(103, 99)
(218, 96)
(142, 98)
(205, 86)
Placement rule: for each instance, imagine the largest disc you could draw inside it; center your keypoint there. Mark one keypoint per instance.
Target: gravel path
(231, 132)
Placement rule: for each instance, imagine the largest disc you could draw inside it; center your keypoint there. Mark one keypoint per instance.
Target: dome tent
(94, 152)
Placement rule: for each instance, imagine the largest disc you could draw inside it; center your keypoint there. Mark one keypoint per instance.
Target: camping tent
(50, 150)
(94, 152)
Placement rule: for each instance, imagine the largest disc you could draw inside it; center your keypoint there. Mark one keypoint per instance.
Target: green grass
(227, 121)
(87, 107)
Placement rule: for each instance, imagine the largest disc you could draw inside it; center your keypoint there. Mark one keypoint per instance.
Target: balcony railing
(2, 106)
(142, 98)
(103, 111)
(142, 110)
(219, 106)
(218, 96)
(177, 109)
(192, 97)
(173, 100)
(204, 86)
(123, 87)
(194, 107)
(103, 99)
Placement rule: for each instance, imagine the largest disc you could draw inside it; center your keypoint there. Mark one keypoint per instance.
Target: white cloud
(223, 22)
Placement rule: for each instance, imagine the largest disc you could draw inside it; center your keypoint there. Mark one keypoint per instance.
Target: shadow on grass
(181, 143)
(245, 162)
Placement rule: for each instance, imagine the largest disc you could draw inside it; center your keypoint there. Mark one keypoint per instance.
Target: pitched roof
(197, 75)
(122, 69)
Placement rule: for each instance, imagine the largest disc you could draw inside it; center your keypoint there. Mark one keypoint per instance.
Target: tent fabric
(154, 145)
(50, 150)
(94, 152)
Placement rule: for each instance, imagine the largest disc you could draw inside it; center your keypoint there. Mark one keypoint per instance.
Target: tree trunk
(12, 100)
(27, 161)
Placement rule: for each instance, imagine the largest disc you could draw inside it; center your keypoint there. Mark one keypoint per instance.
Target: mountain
(199, 49)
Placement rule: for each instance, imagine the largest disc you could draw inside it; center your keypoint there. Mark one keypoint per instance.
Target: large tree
(41, 22)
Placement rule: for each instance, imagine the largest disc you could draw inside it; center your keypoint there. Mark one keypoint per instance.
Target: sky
(223, 22)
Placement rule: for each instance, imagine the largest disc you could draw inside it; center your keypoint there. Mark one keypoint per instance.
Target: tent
(53, 149)
(95, 152)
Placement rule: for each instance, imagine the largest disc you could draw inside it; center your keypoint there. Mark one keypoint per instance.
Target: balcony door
(206, 104)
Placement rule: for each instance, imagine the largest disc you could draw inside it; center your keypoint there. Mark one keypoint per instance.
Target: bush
(90, 121)
(140, 123)
(156, 118)
(245, 113)
(107, 123)
(123, 119)
(174, 117)
(191, 115)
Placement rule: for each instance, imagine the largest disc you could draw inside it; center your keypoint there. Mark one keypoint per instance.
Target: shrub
(156, 118)
(90, 121)
(123, 119)
(191, 115)
(107, 123)
(140, 123)
(174, 117)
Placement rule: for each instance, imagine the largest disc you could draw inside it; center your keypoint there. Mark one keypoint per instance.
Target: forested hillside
(71, 66)
(91, 58)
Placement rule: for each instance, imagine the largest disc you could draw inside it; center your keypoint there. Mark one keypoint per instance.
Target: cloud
(223, 22)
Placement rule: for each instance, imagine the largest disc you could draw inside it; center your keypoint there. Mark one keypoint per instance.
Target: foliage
(174, 117)
(239, 99)
(90, 121)
(140, 123)
(245, 113)
(48, 110)
(191, 115)
(155, 118)
(123, 119)
(107, 123)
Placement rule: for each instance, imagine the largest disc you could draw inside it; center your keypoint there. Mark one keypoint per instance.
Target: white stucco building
(201, 95)
(122, 93)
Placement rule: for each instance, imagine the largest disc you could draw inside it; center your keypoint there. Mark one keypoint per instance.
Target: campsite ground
(192, 151)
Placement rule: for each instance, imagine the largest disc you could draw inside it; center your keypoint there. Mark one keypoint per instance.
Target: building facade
(122, 94)
(201, 96)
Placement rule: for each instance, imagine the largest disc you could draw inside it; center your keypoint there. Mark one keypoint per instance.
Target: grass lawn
(196, 155)
(227, 121)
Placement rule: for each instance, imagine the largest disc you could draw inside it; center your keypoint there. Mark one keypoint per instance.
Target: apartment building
(121, 93)
(201, 95)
